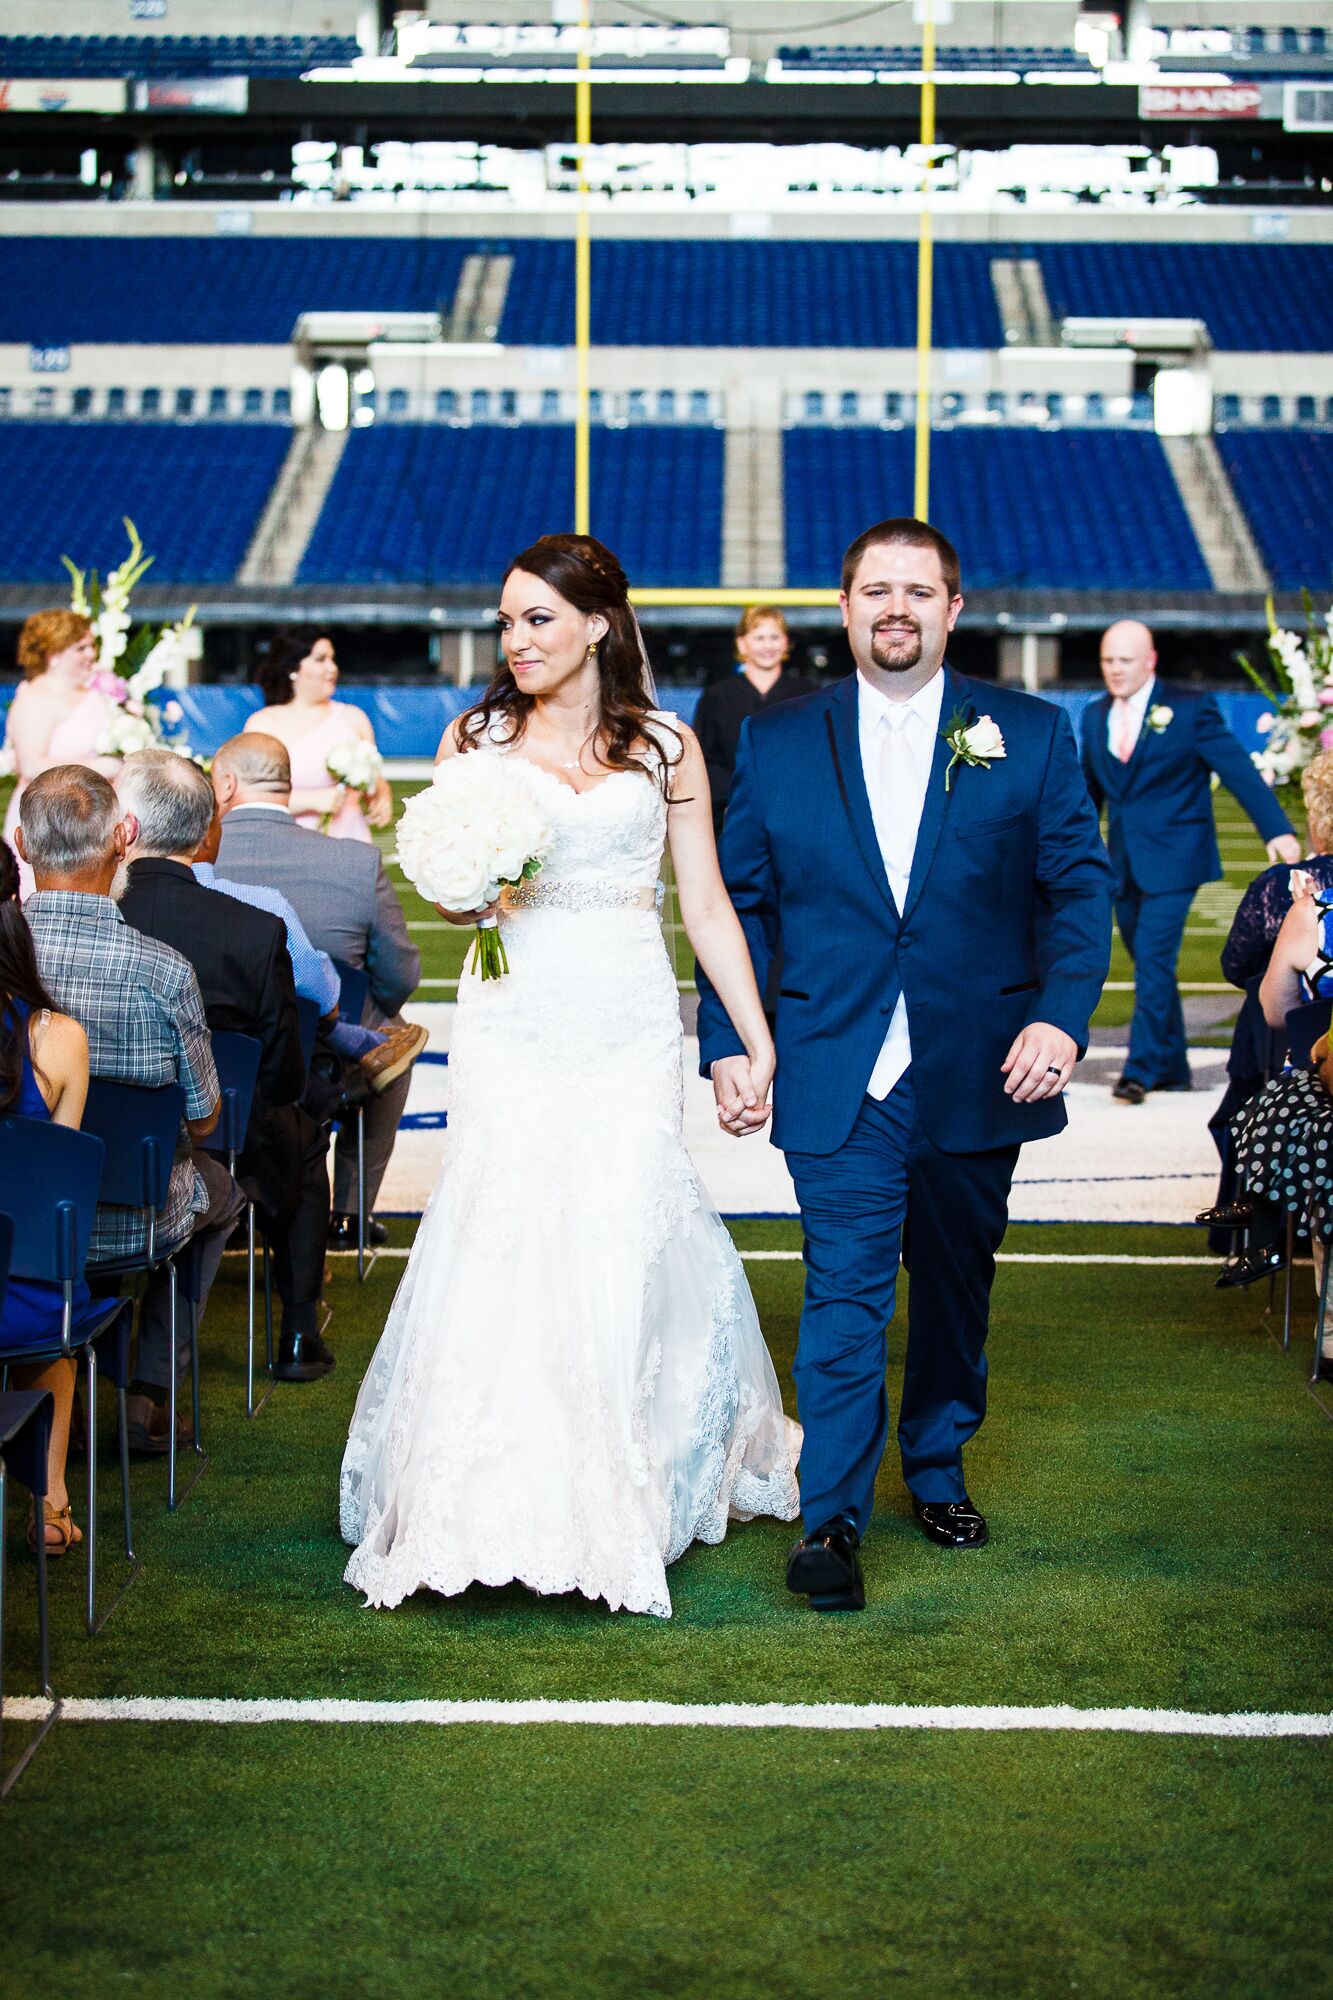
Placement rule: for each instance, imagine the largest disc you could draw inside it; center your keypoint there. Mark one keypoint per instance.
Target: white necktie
(900, 800)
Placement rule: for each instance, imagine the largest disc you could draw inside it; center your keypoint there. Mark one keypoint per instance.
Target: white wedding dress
(572, 1386)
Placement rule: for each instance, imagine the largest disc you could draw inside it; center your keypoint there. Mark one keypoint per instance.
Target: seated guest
(1284, 1139)
(347, 904)
(140, 1006)
(1257, 1050)
(381, 1057)
(43, 1074)
(240, 959)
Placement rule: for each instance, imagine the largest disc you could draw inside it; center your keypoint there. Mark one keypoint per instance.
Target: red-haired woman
(57, 716)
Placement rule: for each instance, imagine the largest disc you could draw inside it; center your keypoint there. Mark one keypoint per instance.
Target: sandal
(60, 1518)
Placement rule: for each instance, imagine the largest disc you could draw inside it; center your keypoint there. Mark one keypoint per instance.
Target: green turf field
(443, 948)
(1157, 1477)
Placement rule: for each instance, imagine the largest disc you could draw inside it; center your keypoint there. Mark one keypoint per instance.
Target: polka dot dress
(1284, 1146)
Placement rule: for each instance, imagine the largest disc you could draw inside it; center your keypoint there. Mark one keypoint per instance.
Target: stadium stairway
(294, 506)
(1214, 512)
(754, 541)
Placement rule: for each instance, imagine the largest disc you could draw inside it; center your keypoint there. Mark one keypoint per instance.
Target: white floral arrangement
(1160, 717)
(356, 764)
(132, 666)
(480, 827)
(1299, 689)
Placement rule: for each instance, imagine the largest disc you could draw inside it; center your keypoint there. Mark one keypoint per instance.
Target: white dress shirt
(897, 750)
(1133, 707)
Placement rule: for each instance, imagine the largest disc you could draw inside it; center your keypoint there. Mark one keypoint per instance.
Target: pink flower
(111, 685)
(173, 712)
(1326, 738)
(1325, 697)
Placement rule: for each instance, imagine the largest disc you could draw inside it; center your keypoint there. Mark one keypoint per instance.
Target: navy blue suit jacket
(1007, 916)
(1159, 806)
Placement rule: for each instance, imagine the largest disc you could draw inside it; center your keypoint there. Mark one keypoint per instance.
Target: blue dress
(30, 1315)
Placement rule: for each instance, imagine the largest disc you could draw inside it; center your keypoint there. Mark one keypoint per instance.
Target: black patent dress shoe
(1255, 1264)
(342, 1232)
(952, 1524)
(1129, 1090)
(825, 1565)
(1227, 1215)
(303, 1357)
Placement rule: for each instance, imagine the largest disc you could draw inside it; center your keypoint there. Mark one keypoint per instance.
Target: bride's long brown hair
(584, 572)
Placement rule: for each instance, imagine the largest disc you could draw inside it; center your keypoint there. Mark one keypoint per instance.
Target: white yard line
(677, 1715)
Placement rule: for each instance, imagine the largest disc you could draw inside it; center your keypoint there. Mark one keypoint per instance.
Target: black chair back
(49, 1182)
(307, 1027)
(353, 990)
(139, 1128)
(236, 1059)
(1305, 1025)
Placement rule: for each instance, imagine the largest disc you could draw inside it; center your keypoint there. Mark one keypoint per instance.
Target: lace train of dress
(572, 1385)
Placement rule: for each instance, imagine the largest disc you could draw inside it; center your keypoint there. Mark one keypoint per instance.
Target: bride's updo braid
(587, 575)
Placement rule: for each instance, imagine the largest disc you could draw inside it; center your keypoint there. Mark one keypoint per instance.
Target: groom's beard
(120, 882)
(896, 648)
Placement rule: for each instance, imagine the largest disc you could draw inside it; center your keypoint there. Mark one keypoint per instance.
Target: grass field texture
(1156, 1475)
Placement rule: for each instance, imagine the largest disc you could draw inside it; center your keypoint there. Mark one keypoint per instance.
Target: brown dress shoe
(384, 1065)
(147, 1425)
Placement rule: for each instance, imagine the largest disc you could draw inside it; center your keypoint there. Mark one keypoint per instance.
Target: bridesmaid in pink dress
(56, 716)
(298, 676)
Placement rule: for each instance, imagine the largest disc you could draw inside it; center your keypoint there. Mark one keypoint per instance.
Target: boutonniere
(1159, 717)
(976, 742)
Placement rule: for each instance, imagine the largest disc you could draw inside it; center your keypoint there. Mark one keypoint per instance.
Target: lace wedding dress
(572, 1385)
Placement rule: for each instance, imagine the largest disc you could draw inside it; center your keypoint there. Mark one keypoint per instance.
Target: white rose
(1265, 722)
(983, 738)
(1160, 716)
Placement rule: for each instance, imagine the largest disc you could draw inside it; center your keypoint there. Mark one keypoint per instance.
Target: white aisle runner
(1154, 1162)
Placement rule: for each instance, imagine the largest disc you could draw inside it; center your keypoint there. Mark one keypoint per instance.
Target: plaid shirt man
(141, 1008)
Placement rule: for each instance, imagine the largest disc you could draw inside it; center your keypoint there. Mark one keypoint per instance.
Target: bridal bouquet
(356, 764)
(480, 827)
(1299, 687)
(132, 665)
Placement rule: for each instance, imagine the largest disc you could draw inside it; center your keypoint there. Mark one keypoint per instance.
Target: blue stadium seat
(1284, 482)
(194, 491)
(172, 55)
(1027, 508)
(681, 292)
(1254, 297)
(414, 503)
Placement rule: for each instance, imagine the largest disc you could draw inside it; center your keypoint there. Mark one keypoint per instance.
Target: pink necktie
(1122, 729)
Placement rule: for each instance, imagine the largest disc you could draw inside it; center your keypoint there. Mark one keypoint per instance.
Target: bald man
(1149, 754)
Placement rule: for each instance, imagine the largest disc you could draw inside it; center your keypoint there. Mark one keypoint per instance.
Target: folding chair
(25, 1443)
(139, 1128)
(353, 993)
(236, 1058)
(49, 1180)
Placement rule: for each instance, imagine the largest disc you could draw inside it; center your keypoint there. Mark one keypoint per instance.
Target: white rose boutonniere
(1159, 717)
(978, 743)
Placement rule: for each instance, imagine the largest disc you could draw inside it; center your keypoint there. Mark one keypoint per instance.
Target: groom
(923, 852)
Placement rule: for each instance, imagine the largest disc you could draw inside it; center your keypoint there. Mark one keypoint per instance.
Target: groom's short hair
(914, 534)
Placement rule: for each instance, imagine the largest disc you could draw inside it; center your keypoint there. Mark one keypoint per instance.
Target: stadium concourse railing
(410, 718)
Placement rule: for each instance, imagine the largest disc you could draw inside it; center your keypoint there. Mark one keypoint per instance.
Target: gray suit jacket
(338, 889)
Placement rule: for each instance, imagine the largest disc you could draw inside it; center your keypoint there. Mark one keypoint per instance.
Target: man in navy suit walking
(1149, 752)
(923, 852)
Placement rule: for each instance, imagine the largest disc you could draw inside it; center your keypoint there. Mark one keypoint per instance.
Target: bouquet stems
(488, 952)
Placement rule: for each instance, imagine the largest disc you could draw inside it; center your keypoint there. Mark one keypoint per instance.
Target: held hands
(466, 917)
(1039, 1064)
(741, 1086)
(1285, 848)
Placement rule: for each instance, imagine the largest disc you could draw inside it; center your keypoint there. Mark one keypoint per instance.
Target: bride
(572, 1386)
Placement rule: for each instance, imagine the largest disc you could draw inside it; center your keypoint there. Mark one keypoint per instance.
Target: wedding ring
(1052, 1069)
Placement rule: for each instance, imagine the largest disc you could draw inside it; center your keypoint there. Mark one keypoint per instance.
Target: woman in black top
(760, 681)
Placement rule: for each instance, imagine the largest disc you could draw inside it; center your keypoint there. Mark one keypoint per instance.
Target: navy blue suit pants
(1153, 927)
(889, 1193)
